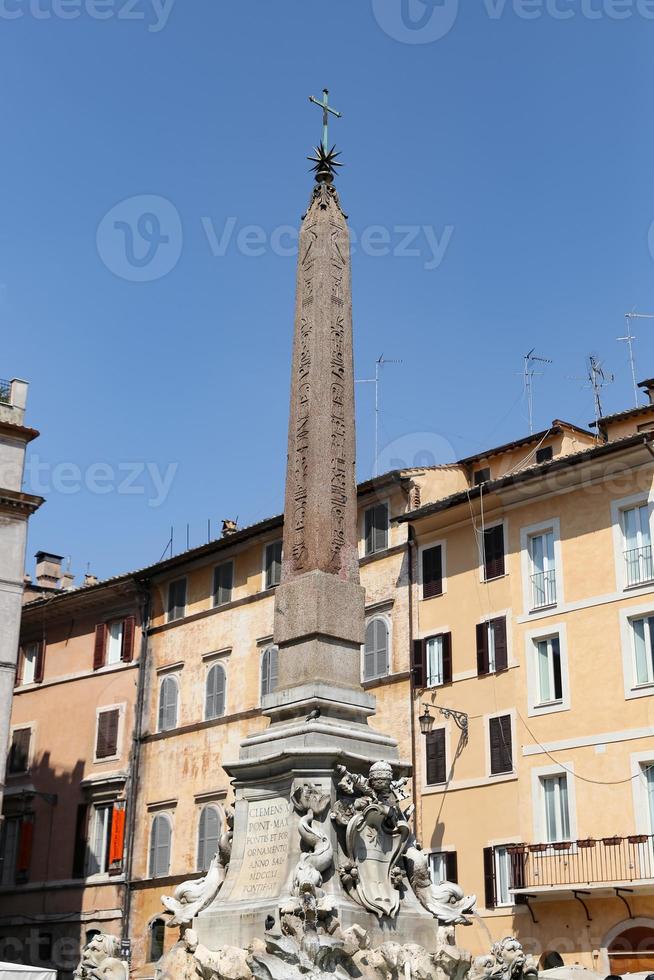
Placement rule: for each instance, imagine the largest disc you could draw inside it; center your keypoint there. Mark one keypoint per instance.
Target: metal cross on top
(326, 109)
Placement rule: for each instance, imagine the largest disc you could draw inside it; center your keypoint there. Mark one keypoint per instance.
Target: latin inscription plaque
(263, 870)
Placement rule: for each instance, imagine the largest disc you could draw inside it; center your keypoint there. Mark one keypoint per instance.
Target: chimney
(48, 569)
(67, 580)
(90, 579)
(648, 388)
(229, 527)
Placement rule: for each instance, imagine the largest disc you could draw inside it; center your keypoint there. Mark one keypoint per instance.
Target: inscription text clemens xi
(266, 848)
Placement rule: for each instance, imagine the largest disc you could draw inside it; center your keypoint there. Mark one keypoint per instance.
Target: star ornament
(325, 163)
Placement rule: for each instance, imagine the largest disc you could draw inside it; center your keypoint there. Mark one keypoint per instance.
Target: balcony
(543, 589)
(639, 566)
(5, 392)
(607, 862)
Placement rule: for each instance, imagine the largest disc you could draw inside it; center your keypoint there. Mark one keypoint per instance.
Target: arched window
(90, 935)
(157, 937)
(269, 671)
(160, 841)
(215, 697)
(375, 653)
(168, 697)
(208, 836)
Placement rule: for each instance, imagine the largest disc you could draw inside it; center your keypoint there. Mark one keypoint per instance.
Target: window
(549, 675)
(637, 543)
(493, 552)
(168, 697)
(542, 569)
(498, 876)
(160, 842)
(114, 642)
(223, 583)
(215, 693)
(177, 600)
(642, 633)
(557, 812)
(432, 572)
(376, 529)
(10, 841)
(269, 671)
(648, 772)
(157, 940)
(19, 751)
(500, 744)
(544, 455)
(273, 564)
(439, 660)
(106, 742)
(436, 758)
(481, 476)
(492, 649)
(208, 836)
(97, 861)
(443, 867)
(30, 654)
(44, 946)
(375, 651)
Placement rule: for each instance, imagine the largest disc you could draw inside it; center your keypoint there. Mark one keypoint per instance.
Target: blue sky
(505, 146)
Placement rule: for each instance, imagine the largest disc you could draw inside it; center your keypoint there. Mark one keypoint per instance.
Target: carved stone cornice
(18, 504)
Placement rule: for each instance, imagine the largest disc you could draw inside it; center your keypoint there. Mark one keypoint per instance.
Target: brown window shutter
(452, 867)
(81, 834)
(447, 658)
(501, 649)
(107, 742)
(39, 666)
(489, 878)
(100, 646)
(482, 648)
(494, 552)
(419, 665)
(501, 748)
(25, 842)
(432, 572)
(19, 753)
(436, 761)
(127, 651)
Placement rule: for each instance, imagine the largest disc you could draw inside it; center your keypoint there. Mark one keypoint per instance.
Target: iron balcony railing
(639, 565)
(5, 392)
(592, 861)
(543, 589)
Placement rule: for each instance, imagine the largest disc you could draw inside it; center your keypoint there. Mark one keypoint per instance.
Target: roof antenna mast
(528, 375)
(629, 340)
(597, 379)
(376, 381)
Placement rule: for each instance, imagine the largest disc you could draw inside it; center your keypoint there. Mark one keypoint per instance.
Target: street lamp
(426, 720)
(460, 719)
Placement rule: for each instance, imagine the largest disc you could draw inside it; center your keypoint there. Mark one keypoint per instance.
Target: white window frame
(153, 816)
(643, 822)
(631, 688)
(427, 641)
(441, 851)
(32, 645)
(389, 628)
(514, 748)
(110, 657)
(103, 859)
(120, 708)
(532, 638)
(617, 508)
(487, 620)
(503, 845)
(442, 544)
(362, 529)
(538, 799)
(526, 534)
(488, 526)
(268, 544)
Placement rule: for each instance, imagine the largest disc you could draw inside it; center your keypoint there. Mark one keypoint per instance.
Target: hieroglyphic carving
(338, 487)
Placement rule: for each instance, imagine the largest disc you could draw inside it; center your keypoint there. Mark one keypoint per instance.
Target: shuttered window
(375, 653)
(501, 745)
(106, 745)
(157, 940)
(81, 837)
(273, 564)
(376, 529)
(444, 866)
(436, 759)
(177, 600)
(10, 841)
(208, 836)
(492, 646)
(99, 840)
(432, 572)
(215, 695)
(223, 583)
(168, 697)
(269, 671)
(494, 552)
(19, 752)
(160, 842)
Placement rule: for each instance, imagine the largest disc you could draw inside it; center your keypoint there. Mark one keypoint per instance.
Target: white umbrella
(16, 971)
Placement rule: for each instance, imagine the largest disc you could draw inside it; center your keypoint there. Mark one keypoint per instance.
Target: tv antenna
(629, 340)
(597, 379)
(528, 375)
(376, 381)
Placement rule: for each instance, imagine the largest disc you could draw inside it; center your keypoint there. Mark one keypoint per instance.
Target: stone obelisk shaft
(320, 606)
